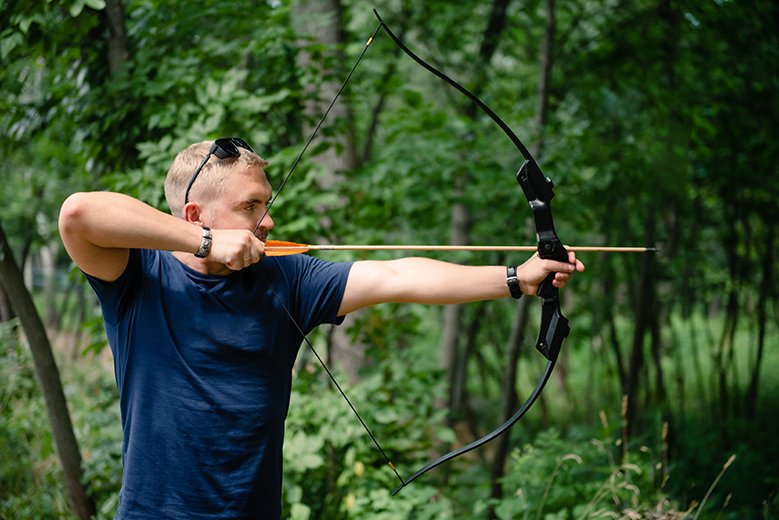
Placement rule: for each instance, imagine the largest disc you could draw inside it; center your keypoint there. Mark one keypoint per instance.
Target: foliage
(31, 484)
(333, 470)
(578, 478)
(660, 129)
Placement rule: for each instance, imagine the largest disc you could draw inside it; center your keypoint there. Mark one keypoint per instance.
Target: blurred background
(657, 121)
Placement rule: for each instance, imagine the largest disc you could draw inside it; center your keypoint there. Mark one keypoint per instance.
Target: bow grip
(539, 191)
(554, 326)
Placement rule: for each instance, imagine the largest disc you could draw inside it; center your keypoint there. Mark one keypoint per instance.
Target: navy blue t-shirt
(203, 364)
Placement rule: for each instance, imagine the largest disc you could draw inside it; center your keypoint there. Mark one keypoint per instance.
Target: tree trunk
(47, 264)
(751, 396)
(459, 233)
(48, 376)
(656, 350)
(643, 308)
(118, 44)
(616, 346)
(722, 354)
(545, 76)
(510, 401)
(732, 308)
(6, 309)
(459, 227)
(322, 20)
(367, 148)
(458, 389)
(700, 376)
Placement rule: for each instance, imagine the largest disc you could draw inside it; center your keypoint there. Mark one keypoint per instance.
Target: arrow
(283, 248)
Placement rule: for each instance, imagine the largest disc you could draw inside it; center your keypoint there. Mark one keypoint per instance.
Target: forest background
(656, 119)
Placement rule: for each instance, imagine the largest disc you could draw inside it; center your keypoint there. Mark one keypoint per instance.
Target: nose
(266, 223)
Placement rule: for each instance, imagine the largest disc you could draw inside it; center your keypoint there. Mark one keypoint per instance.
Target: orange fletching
(283, 248)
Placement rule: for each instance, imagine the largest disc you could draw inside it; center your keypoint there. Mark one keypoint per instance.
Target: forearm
(113, 220)
(421, 280)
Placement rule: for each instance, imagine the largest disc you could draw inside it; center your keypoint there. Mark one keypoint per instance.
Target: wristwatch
(513, 282)
(205, 243)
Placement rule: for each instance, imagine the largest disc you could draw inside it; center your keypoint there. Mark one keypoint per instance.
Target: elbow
(72, 212)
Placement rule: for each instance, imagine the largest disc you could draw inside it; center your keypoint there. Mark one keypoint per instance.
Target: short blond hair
(210, 181)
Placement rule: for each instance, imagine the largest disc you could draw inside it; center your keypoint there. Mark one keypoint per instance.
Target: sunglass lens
(243, 144)
(225, 148)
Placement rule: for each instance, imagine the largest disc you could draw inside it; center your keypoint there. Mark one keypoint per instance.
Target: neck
(201, 265)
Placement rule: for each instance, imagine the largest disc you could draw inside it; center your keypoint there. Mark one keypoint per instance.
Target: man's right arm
(99, 228)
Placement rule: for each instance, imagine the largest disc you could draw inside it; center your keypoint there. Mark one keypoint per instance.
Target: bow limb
(497, 432)
(539, 192)
(498, 121)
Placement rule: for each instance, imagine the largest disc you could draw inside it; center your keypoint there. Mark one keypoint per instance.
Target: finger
(259, 250)
(239, 262)
(578, 265)
(553, 266)
(253, 251)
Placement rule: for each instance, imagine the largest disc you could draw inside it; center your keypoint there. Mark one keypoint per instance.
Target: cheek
(221, 219)
(236, 219)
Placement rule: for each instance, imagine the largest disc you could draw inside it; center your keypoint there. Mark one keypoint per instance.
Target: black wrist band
(513, 282)
(205, 243)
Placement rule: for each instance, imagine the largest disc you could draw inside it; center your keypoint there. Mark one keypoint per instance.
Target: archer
(204, 329)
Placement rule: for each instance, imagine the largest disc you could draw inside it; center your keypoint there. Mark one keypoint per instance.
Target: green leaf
(76, 7)
(300, 511)
(98, 5)
(9, 42)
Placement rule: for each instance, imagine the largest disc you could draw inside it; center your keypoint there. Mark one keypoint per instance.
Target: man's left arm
(422, 280)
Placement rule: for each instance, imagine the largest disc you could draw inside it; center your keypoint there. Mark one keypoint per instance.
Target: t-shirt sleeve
(319, 289)
(115, 296)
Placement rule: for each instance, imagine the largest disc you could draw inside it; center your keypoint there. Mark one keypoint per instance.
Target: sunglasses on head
(223, 148)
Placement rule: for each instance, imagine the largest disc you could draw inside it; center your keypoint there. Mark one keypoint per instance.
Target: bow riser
(539, 191)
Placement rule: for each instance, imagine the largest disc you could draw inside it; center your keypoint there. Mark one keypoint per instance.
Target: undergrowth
(333, 471)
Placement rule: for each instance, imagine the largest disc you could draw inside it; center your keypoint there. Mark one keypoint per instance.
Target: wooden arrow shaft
(279, 248)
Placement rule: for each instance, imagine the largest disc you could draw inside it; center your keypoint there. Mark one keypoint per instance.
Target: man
(197, 322)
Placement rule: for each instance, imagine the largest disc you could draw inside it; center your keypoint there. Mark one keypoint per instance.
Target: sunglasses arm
(197, 172)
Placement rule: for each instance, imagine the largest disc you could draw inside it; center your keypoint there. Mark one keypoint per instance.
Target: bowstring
(332, 378)
(276, 295)
(318, 126)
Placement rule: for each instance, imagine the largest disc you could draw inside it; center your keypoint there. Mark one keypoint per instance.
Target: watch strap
(205, 243)
(513, 282)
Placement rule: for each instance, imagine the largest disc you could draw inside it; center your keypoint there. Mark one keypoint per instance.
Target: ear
(193, 213)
